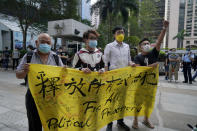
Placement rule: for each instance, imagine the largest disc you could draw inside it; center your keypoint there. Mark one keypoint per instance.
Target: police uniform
(187, 65)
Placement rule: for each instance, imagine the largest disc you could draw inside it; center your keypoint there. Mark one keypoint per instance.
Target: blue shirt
(187, 57)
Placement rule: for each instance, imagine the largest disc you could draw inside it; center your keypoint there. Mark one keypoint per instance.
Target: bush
(162, 56)
(22, 53)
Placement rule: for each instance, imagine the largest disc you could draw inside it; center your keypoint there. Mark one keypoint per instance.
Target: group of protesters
(89, 59)
(174, 62)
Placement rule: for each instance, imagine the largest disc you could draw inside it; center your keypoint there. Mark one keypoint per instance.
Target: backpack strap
(29, 56)
(56, 57)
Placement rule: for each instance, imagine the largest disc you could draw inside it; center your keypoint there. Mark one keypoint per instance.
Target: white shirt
(118, 55)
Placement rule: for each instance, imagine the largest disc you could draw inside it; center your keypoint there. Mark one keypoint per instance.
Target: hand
(26, 68)
(86, 70)
(132, 64)
(155, 65)
(165, 24)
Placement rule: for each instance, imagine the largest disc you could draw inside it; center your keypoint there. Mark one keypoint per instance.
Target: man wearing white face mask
(89, 58)
(41, 55)
(148, 57)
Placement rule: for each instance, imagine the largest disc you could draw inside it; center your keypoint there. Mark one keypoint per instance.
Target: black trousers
(187, 73)
(32, 113)
(15, 63)
(119, 121)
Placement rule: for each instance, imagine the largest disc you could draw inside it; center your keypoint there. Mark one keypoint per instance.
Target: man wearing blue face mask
(89, 58)
(41, 55)
(187, 66)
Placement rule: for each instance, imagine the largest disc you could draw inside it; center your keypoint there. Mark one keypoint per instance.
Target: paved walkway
(176, 105)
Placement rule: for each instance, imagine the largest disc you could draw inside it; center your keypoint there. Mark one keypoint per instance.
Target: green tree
(148, 16)
(87, 22)
(111, 10)
(132, 41)
(37, 13)
(25, 11)
(180, 36)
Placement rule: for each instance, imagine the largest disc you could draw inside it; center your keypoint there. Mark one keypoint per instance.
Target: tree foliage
(37, 13)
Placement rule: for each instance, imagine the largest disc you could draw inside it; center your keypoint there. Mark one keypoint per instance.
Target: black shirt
(150, 58)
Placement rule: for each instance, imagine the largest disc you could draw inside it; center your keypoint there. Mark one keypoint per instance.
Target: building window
(187, 42)
(195, 42)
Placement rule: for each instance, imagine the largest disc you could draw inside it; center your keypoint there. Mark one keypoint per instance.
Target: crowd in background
(184, 62)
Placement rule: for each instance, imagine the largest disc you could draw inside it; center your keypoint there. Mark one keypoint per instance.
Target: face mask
(28, 49)
(93, 43)
(44, 48)
(146, 48)
(120, 38)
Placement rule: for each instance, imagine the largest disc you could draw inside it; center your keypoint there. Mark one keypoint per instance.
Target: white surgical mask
(146, 48)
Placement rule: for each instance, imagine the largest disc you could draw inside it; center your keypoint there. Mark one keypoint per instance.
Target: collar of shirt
(85, 50)
(117, 44)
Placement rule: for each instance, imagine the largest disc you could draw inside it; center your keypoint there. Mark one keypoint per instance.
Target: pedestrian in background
(174, 61)
(15, 58)
(195, 68)
(6, 55)
(187, 66)
(63, 55)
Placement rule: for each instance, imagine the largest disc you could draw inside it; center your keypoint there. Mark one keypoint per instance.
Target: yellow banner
(68, 99)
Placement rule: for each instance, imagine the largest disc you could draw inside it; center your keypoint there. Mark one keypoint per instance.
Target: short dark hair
(6, 47)
(30, 47)
(145, 39)
(86, 34)
(117, 28)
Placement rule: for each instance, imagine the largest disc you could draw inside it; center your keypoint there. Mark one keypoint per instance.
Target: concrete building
(190, 23)
(173, 18)
(95, 18)
(182, 15)
(84, 9)
(70, 31)
(11, 35)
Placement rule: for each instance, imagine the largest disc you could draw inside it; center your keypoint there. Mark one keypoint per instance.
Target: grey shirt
(174, 57)
(36, 60)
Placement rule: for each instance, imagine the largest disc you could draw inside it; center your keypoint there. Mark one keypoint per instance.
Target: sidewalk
(176, 105)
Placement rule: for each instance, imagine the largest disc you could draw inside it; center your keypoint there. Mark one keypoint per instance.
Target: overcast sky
(93, 1)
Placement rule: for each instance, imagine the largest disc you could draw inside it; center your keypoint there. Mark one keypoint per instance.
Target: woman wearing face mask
(89, 58)
(148, 57)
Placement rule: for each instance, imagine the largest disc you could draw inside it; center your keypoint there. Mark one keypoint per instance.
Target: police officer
(187, 66)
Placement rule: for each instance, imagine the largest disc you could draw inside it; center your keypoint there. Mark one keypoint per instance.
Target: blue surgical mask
(44, 48)
(93, 43)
